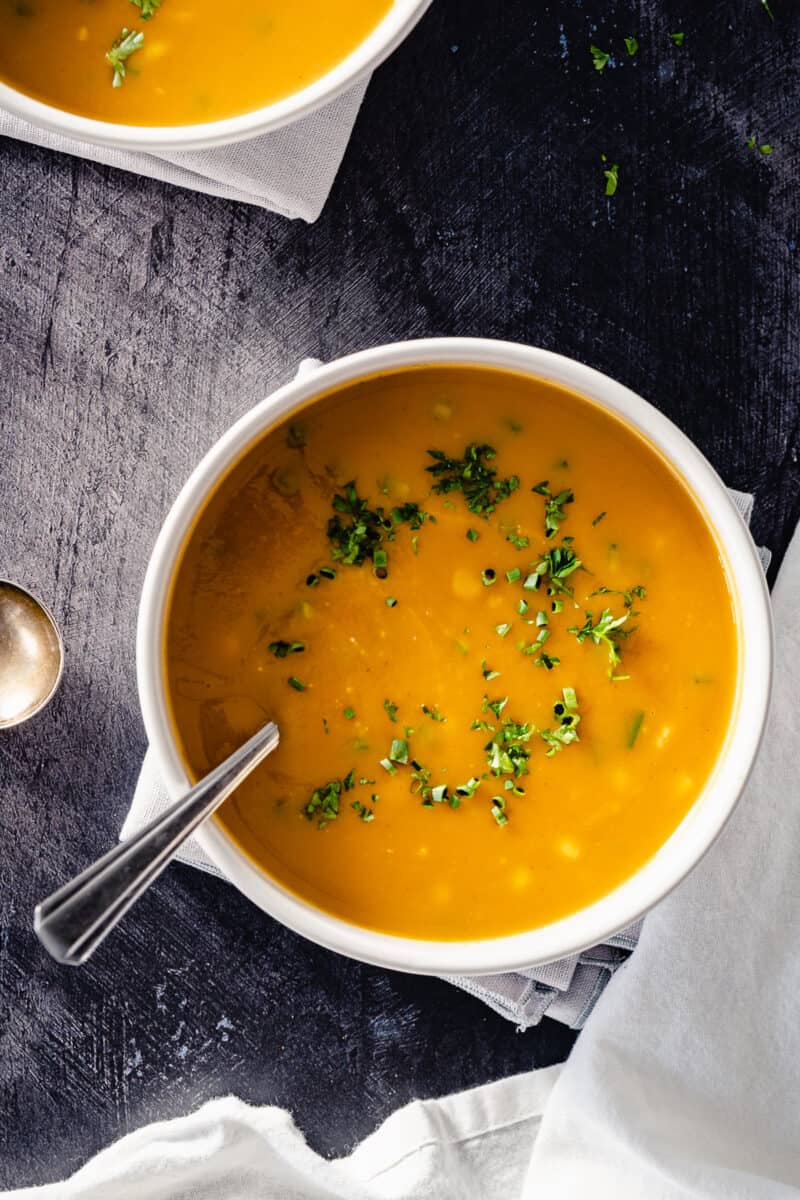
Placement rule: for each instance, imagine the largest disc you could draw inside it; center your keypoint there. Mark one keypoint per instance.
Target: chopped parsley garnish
(678, 38)
(568, 717)
(638, 592)
(296, 683)
(349, 714)
(600, 58)
(513, 575)
(606, 631)
(366, 814)
(148, 9)
(633, 733)
(503, 629)
(412, 515)
(328, 572)
(388, 766)
(555, 566)
(631, 45)
(507, 753)
(494, 706)
(356, 531)
(472, 476)
(519, 541)
(280, 648)
(391, 709)
(473, 535)
(548, 661)
(128, 42)
(489, 576)
(433, 713)
(487, 672)
(554, 506)
(324, 802)
(612, 177)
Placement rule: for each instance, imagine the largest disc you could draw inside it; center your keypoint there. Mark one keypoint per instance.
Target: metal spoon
(31, 655)
(73, 922)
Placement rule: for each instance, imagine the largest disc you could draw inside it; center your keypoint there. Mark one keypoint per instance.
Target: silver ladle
(73, 922)
(31, 655)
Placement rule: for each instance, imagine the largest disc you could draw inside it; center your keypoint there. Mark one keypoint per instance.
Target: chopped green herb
(412, 515)
(489, 576)
(349, 714)
(391, 709)
(328, 572)
(631, 45)
(600, 58)
(557, 606)
(499, 810)
(325, 725)
(612, 177)
(519, 541)
(391, 602)
(503, 629)
(547, 661)
(636, 725)
(599, 518)
(366, 814)
(554, 506)
(606, 631)
(513, 575)
(678, 38)
(312, 580)
(473, 535)
(415, 544)
(495, 706)
(296, 683)
(281, 649)
(507, 754)
(399, 751)
(389, 766)
(568, 717)
(555, 566)
(128, 42)
(433, 713)
(472, 476)
(324, 802)
(487, 672)
(638, 592)
(356, 531)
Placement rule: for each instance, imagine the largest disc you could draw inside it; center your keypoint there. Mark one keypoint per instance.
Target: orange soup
(495, 632)
(175, 62)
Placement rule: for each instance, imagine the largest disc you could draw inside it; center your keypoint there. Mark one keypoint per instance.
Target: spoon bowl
(31, 655)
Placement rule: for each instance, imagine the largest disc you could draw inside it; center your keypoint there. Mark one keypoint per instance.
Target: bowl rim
(393, 28)
(699, 828)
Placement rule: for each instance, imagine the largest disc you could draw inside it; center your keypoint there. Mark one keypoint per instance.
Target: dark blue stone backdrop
(138, 321)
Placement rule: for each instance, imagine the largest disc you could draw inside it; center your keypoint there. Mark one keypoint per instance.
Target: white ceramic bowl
(398, 22)
(695, 833)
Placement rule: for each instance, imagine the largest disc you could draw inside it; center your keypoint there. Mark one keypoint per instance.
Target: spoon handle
(73, 922)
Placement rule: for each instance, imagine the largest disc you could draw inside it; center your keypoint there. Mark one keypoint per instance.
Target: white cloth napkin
(289, 171)
(683, 1086)
(566, 990)
(472, 1146)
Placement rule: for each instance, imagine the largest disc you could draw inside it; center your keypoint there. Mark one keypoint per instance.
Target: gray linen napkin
(566, 990)
(289, 171)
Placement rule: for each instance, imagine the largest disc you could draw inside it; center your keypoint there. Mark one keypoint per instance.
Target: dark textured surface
(138, 321)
